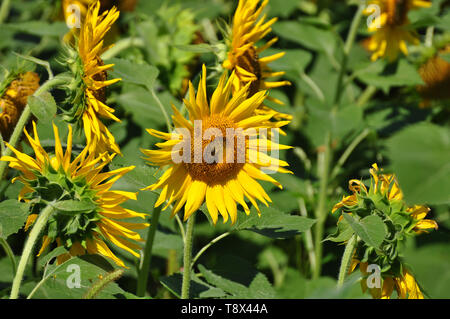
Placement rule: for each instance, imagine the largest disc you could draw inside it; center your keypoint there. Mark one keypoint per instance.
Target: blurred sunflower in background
(221, 183)
(384, 199)
(390, 29)
(243, 57)
(435, 72)
(95, 212)
(88, 89)
(14, 93)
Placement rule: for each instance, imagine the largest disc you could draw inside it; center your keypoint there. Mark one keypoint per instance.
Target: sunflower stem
(10, 253)
(144, 268)
(4, 10)
(24, 117)
(212, 242)
(347, 48)
(121, 45)
(346, 259)
(308, 235)
(102, 283)
(320, 212)
(187, 258)
(32, 238)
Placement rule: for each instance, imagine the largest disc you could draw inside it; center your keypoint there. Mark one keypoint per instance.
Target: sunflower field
(217, 149)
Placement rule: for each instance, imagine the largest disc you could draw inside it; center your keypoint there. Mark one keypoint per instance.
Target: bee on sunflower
(14, 93)
(96, 212)
(390, 29)
(231, 174)
(87, 92)
(383, 201)
(244, 59)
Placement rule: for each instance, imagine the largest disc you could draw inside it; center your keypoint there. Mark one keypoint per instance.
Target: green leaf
(392, 75)
(39, 28)
(58, 281)
(273, 223)
(445, 57)
(13, 215)
(42, 106)
(197, 287)
(343, 233)
(142, 74)
(370, 229)
(420, 158)
(74, 205)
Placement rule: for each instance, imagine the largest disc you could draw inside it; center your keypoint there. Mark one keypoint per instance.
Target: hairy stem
(212, 242)
(187, 258)
(32, 238)
(101, 284)
(144, 268)
(346, 259)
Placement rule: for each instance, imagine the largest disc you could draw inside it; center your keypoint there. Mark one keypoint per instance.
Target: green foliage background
(262, 257)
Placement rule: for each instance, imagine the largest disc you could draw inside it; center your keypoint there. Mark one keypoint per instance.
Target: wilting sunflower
(435, 72)
(405, 285)
(391, 28)
(13, 99)
(52, 178)
(384, 199)
(88, 96)
(233, 173)
(244, 58)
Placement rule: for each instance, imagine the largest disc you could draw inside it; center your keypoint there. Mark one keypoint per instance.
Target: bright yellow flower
(405, 285)
(221, 183)
(243, 55)
(90, 47)
(14, 99)
(390, 29)
(55, 177)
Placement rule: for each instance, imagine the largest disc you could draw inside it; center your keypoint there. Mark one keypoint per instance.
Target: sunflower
(405, 285)
(87, 100)
(391, 33)
(13, 100)
(243, 56)
(52, 178)
(232, 176)
(435, 72)
(384, 199)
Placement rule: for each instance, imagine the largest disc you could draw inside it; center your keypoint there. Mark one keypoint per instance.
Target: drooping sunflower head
(381, 207)
(390, 32)
(87, 212)
(435, 72)
(88, 88)
(14, 93)
(217, 155)
(243, 57)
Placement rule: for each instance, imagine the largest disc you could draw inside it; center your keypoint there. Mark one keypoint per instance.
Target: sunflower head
(14, 93)
(435, 72)
(87, 212)
(243, 57)
(217, 155)
(390, 28)
(87, 92)
(381, 204)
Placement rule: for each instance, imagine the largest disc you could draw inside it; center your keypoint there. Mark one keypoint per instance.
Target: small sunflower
(391, 33)
(221, 183)
(13, 100)
(90, 78)
(384, 199)
(436, 74)
(243, 56)
(53, 178)
(405, 284)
